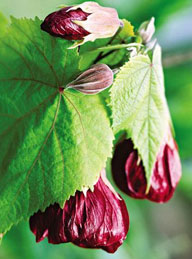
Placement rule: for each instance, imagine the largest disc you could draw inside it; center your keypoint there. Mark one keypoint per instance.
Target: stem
(111, 40)
(101, 56)
(112, 48)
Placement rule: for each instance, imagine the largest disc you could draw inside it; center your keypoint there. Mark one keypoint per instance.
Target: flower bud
(61, 24)
(97, 219)
(94, 80)
(129, 173)
(146, 30)
(84, 22)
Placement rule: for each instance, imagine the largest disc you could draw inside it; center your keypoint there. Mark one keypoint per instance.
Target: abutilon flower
(94, 80)
(129, 173)
(97, 219)
(84, 22)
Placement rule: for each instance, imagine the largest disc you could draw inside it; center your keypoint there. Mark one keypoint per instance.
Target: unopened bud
(94, 80)
(60, 24)
(146, 30)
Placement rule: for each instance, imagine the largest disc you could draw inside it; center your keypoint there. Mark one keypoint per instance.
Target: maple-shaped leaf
(139, 106)
(52, 143)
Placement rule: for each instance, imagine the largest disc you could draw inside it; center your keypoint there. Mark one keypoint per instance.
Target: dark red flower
(61, 24)
(129, 173)
(97, 219)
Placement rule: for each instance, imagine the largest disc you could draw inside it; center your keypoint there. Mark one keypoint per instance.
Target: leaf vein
(40, 150)
(42, 54)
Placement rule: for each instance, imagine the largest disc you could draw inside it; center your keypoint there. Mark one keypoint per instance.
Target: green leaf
(139, 106)
(87, 60)
(52, 143)
(3, 24)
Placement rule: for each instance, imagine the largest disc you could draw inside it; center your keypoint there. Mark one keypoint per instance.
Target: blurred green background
(156, 231)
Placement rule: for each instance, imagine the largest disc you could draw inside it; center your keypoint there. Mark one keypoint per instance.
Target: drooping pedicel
(97, 219)
(129, 173)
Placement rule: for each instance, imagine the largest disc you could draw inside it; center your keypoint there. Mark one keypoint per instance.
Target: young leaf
(126, 31)
(139, 106)
(52, 142)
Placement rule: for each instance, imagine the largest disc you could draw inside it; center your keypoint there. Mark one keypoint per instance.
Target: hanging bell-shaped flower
(129, 173)
(97, 219)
